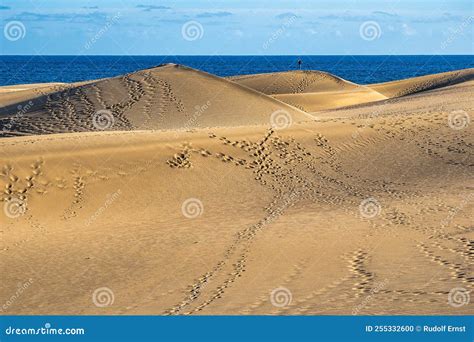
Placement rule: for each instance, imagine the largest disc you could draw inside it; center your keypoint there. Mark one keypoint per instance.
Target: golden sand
(193, 194)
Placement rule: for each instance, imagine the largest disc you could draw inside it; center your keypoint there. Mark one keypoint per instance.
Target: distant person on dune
(299, 63)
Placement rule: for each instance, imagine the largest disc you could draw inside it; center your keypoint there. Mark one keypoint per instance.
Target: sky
(228, 27)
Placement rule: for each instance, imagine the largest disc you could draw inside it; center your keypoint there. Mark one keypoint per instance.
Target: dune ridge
(314, 91)
(310, 91)
(294, 82)
(423, 83)
(327, 216)
(166, 97)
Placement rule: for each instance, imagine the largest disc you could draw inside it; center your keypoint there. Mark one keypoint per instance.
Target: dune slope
(23, 92)
(423, 83)
(165, 97)
(294, 82)
(352, 214)
(310, 90)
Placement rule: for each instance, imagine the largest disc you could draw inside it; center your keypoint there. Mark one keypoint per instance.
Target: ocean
(358, 69)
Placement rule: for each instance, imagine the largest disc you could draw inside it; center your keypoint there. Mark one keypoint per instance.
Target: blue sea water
(359, 69)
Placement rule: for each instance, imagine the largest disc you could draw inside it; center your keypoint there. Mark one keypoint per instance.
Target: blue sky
(140, 27)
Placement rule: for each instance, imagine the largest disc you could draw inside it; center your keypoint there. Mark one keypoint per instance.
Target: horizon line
(225, 55)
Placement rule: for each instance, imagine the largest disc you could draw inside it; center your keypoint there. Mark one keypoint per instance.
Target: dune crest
(216, 220)
(423, 83)
(165, 97)
(294, 82)
(310, 90)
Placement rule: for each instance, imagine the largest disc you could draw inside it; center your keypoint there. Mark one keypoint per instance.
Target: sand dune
(24, 92)
(318, 101)
(351, 214)
(423, 83)
(310, 90)
(294, 82)
(165, 97)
